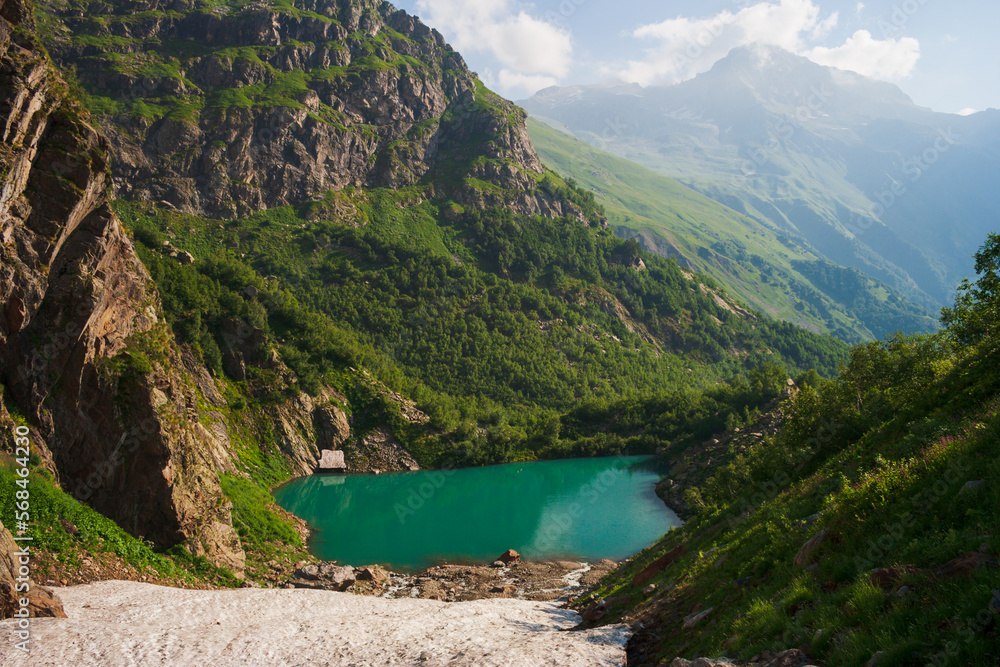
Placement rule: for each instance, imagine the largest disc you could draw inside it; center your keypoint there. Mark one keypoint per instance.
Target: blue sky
(943, 55)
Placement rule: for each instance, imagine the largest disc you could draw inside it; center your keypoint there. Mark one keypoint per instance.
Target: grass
(52, 510)
(889, 493)
(256, 525)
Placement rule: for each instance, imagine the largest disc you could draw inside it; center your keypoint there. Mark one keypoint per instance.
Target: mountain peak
(763, 57)
(775, 76)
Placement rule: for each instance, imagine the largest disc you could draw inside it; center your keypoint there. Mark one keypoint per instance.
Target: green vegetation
(670, 421)
(897, 460)
(153, 68)
(494, 323)
(259, 528)
(68, 531)
(753, 261)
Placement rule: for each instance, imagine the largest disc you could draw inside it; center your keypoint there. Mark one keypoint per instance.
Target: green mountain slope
(494, 320)
(773, 271)
(867, 527)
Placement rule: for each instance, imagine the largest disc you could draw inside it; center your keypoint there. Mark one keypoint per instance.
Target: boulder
(332, 460)
(966, 564)
(307, 572)
(595, 612)
(889, 578)
(970, 487)
(339, 575)
(372, 573)
(509, 556)
(658, 566)
(791, 658)
(324, 576)
(805, 554)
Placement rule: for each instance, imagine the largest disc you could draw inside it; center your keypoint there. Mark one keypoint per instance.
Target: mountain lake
(573, 509)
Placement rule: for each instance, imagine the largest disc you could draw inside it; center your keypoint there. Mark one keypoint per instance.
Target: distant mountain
(767, 268)
(849, 165)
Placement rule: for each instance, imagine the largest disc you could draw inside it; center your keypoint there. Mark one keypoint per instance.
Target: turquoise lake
(578, 508)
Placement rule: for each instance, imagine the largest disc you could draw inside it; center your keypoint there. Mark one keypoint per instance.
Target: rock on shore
(126, 623)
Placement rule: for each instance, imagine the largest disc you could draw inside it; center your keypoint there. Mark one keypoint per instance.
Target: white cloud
(688, 47)
(826, 26)
(518, 85)
(967, 112)
(880, 59)
(531, 51)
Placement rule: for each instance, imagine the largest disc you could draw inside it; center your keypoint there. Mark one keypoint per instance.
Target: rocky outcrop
(259, 106)
(306, 425)
(42, 602)
(378, 451)
(84, 354)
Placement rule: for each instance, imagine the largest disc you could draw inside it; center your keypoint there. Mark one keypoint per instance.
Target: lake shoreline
(507, 577)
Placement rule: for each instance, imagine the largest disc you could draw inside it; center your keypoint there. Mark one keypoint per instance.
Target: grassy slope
(882, 455)
(759, 265)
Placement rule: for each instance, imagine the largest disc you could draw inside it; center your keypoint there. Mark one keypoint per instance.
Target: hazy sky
(943, 54)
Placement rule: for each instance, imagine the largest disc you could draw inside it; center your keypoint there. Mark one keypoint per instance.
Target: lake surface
(578, 508)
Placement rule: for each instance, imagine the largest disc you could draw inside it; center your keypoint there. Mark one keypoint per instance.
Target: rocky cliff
(229, 109)
(79, 319)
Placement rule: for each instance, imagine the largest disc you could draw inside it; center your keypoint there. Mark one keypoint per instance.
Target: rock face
(78, 315)
(42, 602)
(256, 106)
(379, 451)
